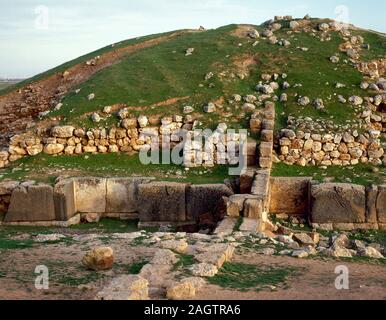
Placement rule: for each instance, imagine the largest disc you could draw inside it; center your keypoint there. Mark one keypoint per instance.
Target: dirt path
(316, 282)
(69, 280)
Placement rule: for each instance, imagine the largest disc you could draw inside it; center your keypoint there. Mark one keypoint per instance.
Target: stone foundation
(90, 198)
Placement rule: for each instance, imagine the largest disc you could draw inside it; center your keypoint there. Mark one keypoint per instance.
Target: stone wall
(330, 206)
(345, 149)
(289, 195)
(135, 134)
(90, 198)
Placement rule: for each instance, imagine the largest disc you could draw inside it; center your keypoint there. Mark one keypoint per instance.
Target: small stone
(101, 258)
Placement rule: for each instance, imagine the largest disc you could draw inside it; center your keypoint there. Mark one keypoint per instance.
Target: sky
(36, 35)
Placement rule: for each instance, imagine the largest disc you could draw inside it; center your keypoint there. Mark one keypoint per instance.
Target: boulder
(204, 198)
(162, 202)
(53, 148)
(128, 287)
(31, 204)
(65, 200)
(101, 258)
(338, 203)
(181, 291)
(62, 131)
(90, 195)
(303, 239)
(204, 270)
(370, 252)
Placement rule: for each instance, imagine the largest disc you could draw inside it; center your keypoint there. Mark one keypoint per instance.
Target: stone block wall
(154, 203)
(133, 136)
(330, 206)
(340, 149)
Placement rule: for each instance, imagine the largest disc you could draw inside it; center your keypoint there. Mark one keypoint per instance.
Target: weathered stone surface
(204, 270)
(338, 203)
(371, 202)
(162, 201)
(164, 257)
(99, 259)
(53, 148)
(204, 198)
(33, 203)
(235, 204)
(289, 195)
(6, 187)
(253, 208)
(62, 131)
(128, 287)
(381, 204)
(226, 226)
(303, 239)
(122, 194)
(90, 195)
(370, 252)
(64, 200)
(179, 246)
(181, 291)
(246, 181)
(216, 254)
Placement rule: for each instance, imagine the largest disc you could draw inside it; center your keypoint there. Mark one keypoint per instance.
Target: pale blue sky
(36, 35)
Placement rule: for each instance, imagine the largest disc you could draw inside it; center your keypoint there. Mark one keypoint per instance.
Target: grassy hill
(144, 80)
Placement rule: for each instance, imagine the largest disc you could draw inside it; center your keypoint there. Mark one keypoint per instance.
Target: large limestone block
(381, 204)
(90, 195)
(371, 204)
(122, 194)
(289, 195)
(235, 204)
(338, 203)
(253, 208)
(64, 200)
(33, 203)
(127, 287)
(162, 201)
(204, 198)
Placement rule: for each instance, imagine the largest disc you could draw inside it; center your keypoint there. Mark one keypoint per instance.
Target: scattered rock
(101, 258)
(204, 270)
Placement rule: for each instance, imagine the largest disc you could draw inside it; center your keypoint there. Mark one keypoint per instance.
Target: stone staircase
(253, 202)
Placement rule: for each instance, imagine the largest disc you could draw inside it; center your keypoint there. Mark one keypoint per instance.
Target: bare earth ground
(70, 281)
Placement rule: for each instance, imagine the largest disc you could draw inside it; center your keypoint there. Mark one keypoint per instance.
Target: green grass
(134, 268)
(358, 174)
(63, 67)
(45, 168)
(186, 260)
(8, 244)
(238, 224)
(109, 226)
(247, 277)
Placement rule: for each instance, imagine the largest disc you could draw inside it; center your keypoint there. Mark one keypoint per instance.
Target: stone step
(252, 225)
(261, 186)
(226, 227)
